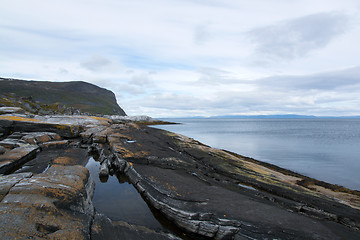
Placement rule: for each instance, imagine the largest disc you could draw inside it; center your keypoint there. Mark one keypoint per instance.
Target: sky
(181, 58)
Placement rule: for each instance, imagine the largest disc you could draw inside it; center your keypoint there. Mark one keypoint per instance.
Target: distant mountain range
(283, 116)
(86, 97)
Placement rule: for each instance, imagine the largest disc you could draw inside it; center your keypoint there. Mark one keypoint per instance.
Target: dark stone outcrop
(206, 192)
(104, 228)
(15, 157)
(201, 190)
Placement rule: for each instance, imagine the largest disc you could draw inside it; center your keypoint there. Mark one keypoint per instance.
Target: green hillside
(79, 95)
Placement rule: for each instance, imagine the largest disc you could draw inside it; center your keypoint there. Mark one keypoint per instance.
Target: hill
(80, 95)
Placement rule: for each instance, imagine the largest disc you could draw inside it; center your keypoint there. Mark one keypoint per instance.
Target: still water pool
(119, 200)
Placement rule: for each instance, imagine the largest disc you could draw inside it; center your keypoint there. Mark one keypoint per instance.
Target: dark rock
(104, 228)
(31, 125)
(55, 144)
(15, 157)
(88, 134)
(118, 164)
(198, 188)
(175, 175)
(16, 135)
(2, 150)
(104, 168)
(10, 110)
(9, 143)
(55, 204)
(8, 181)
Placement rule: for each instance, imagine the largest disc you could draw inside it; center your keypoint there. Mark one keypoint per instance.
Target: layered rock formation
(45, 191)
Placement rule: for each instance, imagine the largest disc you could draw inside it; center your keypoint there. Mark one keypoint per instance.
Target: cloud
(200, 51)
(142, 79)
(96, 63)
(328, 93)
(298, 37)
(202, 34)
(320, 81)
(211, 76)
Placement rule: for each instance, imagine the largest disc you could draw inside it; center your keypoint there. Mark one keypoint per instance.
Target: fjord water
(325, 149)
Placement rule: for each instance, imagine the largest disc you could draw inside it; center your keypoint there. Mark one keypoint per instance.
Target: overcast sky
(168, 58)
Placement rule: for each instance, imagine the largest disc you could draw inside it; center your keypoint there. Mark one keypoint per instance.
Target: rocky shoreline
(46, 192)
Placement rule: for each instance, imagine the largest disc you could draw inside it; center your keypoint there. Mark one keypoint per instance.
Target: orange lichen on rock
(65, 161)
(100, 119)
(126, 153)
(346, 198)
(118, 136)
(38, 206)
(21, 119)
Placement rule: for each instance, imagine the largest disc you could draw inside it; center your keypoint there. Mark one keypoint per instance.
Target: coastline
(203, 190)
(323, 149)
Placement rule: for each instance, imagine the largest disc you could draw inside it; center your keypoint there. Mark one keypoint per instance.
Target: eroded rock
(52, 205)
(9, 110)
(199, 188)
(16, 157)
(104, 228)
(2, 149)
(187, 180)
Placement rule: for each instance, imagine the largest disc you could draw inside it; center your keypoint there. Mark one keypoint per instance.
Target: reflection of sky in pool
(119, 200)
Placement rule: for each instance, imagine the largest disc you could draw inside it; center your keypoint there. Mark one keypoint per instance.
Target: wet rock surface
(104, 228)
(46, 192)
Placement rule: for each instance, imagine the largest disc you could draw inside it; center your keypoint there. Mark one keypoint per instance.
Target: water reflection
(119, 200)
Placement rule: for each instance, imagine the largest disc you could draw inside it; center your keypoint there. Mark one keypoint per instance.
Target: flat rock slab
(210, 206)
(40, 137)
(22, 124)
(8, 110)
(47, 157)
(65, 126)
(17, 156)
(9, 143)
(8, 181)
(54, 144)
(35, 223)
(201, 190)
(53, 205)
(104, 228)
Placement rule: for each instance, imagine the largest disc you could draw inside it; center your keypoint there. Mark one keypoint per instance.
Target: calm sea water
(326, 149)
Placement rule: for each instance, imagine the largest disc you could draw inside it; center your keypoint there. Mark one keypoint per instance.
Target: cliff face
(79, 95)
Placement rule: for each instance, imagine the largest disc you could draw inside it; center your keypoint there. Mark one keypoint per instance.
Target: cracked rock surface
(46, 192)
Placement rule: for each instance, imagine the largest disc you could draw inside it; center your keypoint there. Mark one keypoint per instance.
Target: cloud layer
(298, 37)
(186, 58)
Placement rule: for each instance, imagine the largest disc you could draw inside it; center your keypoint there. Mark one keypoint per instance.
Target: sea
(327, 149)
